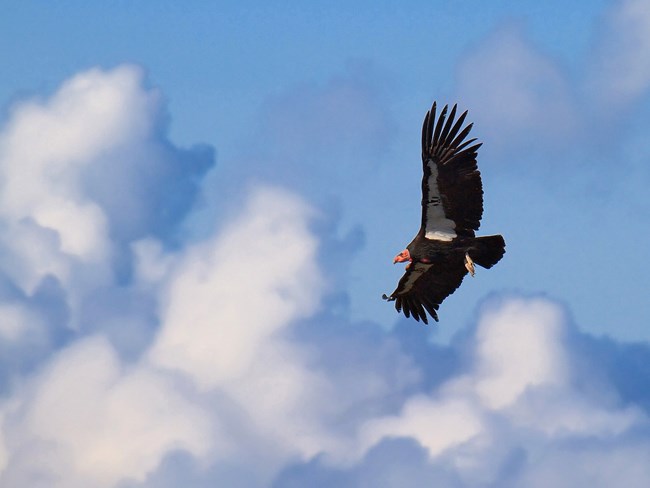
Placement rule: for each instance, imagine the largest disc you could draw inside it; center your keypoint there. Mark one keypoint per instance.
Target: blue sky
(200, 204)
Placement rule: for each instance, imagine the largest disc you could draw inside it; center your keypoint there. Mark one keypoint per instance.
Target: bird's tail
(487, 251)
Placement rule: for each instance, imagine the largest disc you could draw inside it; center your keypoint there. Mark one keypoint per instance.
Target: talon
(469, 264)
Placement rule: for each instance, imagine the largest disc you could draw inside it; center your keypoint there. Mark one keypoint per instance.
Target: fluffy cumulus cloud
(133, 357)
(84, 173)
(528, 404)
(88, 420)
(87, 173)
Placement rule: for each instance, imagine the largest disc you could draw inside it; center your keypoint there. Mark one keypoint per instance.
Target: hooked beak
(402, 257)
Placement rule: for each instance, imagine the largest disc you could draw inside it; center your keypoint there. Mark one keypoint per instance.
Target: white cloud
(519, 346)
(94, 420)
(226, 305)
(620, 71)
(73, 167)
(518, 393)
(229, 296)
(517, 94)
(238, 371)
(520, 95)
(16, 321)
(436, 425)
(88, 420)
(47, 145)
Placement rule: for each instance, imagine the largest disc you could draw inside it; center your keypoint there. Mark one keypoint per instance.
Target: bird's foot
(469, 264)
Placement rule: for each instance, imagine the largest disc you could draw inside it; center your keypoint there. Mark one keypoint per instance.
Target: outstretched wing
(424, 287)
(452, 193)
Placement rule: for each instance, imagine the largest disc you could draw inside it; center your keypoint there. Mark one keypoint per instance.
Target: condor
(446, 248)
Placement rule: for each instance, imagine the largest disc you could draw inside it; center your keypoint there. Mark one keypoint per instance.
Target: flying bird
(446, 248)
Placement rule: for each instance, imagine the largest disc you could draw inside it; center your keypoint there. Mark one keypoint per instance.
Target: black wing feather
(459, 180)
(441, 120)
(455, 143)
(427, 126)
(445, 132)
(466, 143)
(420, 311)
(406, 309)
(427, 291)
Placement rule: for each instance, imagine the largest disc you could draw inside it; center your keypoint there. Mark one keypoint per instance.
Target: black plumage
(445, 248)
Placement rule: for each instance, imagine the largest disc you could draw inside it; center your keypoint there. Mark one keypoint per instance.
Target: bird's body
(430, 250)
(445, 248)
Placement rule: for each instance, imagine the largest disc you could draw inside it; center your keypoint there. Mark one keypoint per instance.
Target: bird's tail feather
(487, 251)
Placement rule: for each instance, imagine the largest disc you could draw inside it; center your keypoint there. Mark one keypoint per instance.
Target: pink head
(405, 255)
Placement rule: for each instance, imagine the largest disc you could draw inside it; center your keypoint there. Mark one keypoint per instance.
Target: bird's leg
(469, 264)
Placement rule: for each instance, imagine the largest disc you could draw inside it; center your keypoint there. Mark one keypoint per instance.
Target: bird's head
(405, 255)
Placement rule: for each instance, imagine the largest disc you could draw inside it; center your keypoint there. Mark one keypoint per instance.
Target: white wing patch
(416, 270)
(438, 226)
